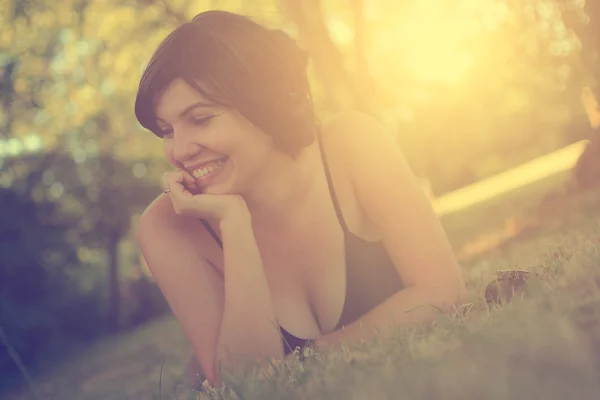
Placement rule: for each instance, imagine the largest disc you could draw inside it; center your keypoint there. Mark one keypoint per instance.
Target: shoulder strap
(336, 205)
(212, 232)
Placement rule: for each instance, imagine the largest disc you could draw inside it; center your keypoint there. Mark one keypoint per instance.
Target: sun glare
(434, 36)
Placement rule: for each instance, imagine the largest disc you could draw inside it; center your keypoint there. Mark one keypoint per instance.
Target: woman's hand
(207, 206)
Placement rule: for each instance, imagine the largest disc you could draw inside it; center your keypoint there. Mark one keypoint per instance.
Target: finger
(189, 180)
(173, 179)
(176, 185)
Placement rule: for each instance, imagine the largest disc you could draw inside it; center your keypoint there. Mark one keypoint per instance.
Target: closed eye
(203, 121)
(168, 133)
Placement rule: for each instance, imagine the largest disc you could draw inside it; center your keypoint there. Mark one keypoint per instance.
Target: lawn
(545, 344)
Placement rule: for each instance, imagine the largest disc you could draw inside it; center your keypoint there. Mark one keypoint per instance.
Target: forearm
(249, 333)
(408, 307)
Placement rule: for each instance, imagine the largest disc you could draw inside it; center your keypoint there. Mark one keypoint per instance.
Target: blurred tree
(41, 306)
(73, 80)
(365, 87)
(583, 18)
(314, 36)
(343, 88)
(97, 199)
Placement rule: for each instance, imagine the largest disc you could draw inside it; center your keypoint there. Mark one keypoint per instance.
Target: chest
(305, 270)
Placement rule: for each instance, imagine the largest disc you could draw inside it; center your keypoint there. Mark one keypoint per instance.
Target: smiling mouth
(209, 169)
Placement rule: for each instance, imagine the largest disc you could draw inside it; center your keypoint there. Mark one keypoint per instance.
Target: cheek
(223, 148)
(168, 152)
(245, 154)
(252, 161)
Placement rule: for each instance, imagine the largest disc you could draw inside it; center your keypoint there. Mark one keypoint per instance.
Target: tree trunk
(591, 37)
(313, 36)
(586, 172)
(7, 93)
(365, 87)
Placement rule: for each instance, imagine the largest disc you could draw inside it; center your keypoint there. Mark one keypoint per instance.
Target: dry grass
(543, 345)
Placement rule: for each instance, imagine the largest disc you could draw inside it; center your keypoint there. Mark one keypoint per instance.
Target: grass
(543, 345)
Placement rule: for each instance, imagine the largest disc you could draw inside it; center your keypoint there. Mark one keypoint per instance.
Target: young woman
(276, 231)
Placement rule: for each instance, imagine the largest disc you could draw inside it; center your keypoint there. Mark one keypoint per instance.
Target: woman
(275, 231)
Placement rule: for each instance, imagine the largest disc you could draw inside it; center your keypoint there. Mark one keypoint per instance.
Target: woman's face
(217, 145)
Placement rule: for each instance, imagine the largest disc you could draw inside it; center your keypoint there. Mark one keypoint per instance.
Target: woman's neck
(284, 188)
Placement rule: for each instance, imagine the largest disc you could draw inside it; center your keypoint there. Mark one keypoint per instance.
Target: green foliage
(56, 224)
(41, 304)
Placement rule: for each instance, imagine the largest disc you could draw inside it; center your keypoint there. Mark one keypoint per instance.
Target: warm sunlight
(434, 39)
(143, 259)
(526, 174)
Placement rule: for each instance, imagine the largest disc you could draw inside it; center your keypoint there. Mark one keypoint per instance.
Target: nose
(184, 148)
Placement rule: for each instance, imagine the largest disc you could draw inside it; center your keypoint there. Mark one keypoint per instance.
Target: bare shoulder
(345, 137)
(350, 130)
(350, 134)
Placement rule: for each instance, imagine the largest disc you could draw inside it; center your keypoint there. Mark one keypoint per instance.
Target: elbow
(199, 375)
(212, 380)
(211, 377)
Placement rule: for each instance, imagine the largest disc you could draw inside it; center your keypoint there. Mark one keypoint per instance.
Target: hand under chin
(196, 190)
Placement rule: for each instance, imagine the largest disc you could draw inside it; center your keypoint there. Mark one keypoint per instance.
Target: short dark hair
(235, 62)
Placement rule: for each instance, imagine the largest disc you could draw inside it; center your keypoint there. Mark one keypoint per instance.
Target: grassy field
(545, 344)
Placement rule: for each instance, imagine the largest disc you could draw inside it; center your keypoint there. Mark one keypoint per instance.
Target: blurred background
(470, 88)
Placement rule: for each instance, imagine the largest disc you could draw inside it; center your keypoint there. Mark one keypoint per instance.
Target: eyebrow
(190, 108)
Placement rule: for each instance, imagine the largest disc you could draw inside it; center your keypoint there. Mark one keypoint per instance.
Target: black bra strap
(212, 232)
(336, 205)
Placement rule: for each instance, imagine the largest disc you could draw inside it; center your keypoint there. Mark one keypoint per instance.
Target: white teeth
(200, 172)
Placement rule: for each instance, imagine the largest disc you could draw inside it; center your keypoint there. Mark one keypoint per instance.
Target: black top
(371, 277)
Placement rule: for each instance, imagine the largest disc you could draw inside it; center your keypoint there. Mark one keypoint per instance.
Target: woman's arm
(227, 320)
(249, 331)
(392, 199)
